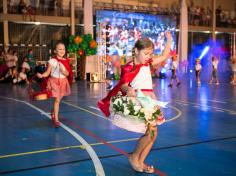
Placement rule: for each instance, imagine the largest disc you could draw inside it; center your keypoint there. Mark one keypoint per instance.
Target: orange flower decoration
(78, 40)
(93, 44)
(80, 52)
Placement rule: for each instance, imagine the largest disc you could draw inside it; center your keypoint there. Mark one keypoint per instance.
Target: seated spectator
(11, 61)
(21, 78)
(25, 64)
(9, 76)
(2, 56)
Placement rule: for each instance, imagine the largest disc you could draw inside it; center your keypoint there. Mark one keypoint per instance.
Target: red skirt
(59, 87)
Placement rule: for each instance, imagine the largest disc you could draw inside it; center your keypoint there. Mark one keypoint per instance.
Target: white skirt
(128, 123)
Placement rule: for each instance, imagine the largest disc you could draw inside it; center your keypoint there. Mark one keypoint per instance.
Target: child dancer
(136, 75)
(198, 68)
(59, 70)
(214, 70)
(173, 71)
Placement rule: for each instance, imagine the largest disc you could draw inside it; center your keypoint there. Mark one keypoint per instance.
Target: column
(214, 20)
(5, 26)
(72, 17)
(88, 17)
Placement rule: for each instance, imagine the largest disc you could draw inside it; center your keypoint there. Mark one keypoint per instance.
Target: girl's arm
(166, 52)
(130, 92)
(46, 73)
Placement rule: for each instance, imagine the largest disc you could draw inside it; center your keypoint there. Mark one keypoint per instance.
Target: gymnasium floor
(199, 137)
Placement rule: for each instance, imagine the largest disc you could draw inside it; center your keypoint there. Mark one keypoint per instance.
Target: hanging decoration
(83, 45)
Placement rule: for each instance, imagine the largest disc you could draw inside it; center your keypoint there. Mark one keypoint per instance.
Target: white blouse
(198, 67)
(215, 64)
(174, 65)
(55, 72)
(143, 80)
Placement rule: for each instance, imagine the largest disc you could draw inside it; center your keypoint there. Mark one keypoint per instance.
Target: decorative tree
(83, 45)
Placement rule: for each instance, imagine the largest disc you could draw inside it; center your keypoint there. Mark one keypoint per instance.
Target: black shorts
(173, 75)
(214, 73)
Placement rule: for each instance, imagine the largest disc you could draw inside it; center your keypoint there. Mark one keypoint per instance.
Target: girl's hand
(131, 92)
(39, 75)
(61, 67)
(168, 35)
(63, 70)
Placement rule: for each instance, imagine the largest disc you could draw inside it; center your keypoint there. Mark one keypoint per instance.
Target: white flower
(137, 108)
(124, 98)
(142, 110)
(148, 114)
(126, 111)
(125, 105)
(118, 100)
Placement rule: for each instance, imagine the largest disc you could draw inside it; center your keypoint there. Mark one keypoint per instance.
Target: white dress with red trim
(143, 80)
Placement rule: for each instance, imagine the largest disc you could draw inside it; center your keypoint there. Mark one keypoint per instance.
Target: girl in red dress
(60, 75)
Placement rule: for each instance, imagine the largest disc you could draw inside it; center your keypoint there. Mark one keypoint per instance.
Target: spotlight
(162, 73)
(205, 50)
(163, 70)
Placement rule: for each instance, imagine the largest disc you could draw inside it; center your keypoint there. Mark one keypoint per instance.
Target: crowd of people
(34, 7)
(197, 16)
(15, 70)
(202, 16)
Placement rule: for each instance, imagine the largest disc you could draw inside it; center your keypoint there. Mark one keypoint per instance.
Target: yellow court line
(187, 102)
(64, 148)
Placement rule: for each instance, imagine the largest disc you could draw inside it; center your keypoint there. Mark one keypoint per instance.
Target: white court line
(217, 101)
(86, 110)
(97, 164)
(204, 106)
(92, 107)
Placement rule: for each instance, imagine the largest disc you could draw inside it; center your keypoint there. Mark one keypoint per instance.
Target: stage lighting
(205, 50)
(163, 70)
(191, 71)
(162, 73)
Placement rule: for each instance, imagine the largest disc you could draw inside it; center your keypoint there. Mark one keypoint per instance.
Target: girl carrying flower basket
(132, 104)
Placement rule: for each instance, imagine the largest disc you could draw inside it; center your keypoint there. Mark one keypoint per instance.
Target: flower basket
(129, 123)
(37, 89)
(136, 114)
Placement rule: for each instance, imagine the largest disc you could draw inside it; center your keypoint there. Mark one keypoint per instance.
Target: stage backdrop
(118, 31)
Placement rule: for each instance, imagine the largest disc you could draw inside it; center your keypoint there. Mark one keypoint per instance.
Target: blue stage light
(204, 52)
(163, 70)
